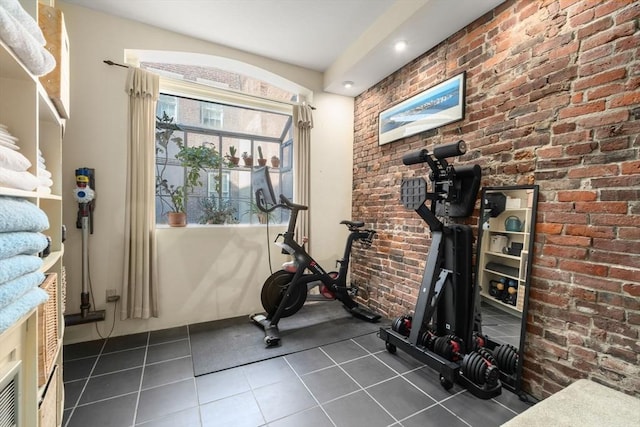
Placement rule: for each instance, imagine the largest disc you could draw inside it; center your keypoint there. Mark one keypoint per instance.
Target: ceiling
(346, 40)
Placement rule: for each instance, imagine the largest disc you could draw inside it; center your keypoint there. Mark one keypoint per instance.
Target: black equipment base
(272, 333)
(450, 372)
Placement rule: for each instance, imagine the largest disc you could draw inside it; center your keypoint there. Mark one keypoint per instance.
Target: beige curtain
(303, 122)
(139, 289)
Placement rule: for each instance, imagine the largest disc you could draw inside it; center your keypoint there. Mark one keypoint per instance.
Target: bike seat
(356, 224)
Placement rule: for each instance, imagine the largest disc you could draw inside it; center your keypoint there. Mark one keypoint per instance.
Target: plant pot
(234, 160)
(177, 219)
(248, 161)
(275, 162)
(262, 162)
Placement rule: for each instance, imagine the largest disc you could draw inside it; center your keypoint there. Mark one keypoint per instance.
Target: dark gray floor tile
(367, 371)
(163, 373)
(344, 350)
(400, 398)
(267, 372)
(437, 416)
(478, 412)
(167, 351)
(221, 384)
(65, 416)
(513, 402)
(240, 410)
(314, 417)
(400, 362)
(166, 335)
(72, 390)
(329, 384)
(428, 380)
(126, 342)
(308, 361)
(161, 401)
(116, 412)
(186, 418)
(371, 342)
(83, 349)
(112, 362)
(357, 410)
(111, 385)
(284, 398)
(77, 369)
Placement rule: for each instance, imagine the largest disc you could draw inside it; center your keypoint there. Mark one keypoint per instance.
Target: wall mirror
(505, 250)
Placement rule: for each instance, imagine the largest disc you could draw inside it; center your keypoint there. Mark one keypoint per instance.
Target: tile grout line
(73, 409)
(436, 402)
(144, 363)
(310, 392)
(358, 384)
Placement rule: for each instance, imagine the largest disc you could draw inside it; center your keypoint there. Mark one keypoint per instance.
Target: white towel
(18, 180)
(14, 8)
(13, 160)
(43, 173)
(45, 182)
(38, 60)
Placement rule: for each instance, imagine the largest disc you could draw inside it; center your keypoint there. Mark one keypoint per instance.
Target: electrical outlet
(112, 295)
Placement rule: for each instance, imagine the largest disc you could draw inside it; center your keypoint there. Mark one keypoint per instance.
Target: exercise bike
(444, 331)
(287, 290)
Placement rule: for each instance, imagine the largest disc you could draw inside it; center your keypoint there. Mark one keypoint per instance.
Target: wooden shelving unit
(29, 113)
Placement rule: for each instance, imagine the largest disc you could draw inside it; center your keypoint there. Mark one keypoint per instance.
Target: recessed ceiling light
(347, 84)
(400, 45)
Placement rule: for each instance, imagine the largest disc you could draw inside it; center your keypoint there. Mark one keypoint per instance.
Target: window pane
(224, 194)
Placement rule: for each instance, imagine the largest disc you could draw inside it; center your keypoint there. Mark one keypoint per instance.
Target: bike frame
(305, 262)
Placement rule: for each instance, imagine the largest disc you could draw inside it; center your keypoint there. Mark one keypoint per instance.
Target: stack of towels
(20, 32)
(44, 176)
(14, 165)
(21, 223)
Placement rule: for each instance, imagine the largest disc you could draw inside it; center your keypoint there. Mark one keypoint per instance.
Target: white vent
(9, 397)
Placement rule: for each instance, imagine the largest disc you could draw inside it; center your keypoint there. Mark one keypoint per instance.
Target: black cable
(269, 247)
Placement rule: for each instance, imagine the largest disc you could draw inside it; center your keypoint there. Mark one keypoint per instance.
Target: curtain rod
(110, 62)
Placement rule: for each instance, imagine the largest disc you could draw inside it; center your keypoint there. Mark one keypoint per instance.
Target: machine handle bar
(451, 149)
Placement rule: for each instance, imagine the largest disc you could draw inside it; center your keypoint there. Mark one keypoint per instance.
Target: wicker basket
(47, 329)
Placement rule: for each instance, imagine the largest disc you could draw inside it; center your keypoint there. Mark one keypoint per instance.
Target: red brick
(574, 196)
(600, 79)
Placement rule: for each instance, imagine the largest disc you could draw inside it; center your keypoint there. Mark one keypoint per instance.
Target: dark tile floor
(501, 326)
(147, 380)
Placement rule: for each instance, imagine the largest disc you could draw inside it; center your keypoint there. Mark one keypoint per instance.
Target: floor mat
(227, 343)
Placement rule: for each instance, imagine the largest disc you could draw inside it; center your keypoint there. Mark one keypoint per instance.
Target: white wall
(205, 273)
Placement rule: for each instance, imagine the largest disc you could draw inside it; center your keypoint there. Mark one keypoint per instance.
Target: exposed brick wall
(553, 99)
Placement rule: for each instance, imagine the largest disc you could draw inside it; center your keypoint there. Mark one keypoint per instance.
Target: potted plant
(195, 160)
(261, 160)
(263, 217)
(248, 159)
(275, 161)
(217, 211)
(233, 159)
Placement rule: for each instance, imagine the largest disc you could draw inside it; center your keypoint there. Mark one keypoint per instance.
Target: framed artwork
(437, 106)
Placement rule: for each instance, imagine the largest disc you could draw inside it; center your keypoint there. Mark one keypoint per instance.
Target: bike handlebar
(289, 204)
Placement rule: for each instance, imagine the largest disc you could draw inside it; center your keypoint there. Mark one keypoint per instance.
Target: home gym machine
(286, 290)
(444, 331)
(85, 196)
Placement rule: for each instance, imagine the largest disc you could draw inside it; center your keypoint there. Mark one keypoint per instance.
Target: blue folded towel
(14, 311)
(21, 215)
(16, 266)
(14, 289)
(21, 242)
